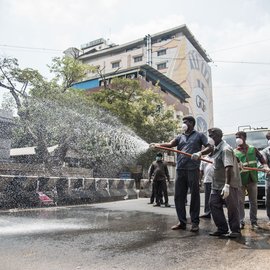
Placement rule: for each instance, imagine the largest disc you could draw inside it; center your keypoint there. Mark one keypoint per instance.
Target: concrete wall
(146, 188)
(20, 191)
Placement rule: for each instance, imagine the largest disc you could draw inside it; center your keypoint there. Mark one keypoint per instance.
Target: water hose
(206, 160)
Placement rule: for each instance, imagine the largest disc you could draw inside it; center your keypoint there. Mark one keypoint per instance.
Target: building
(149, 78)
(174, 54)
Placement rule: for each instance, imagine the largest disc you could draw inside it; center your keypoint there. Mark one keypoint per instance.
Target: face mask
(239, 141)
(211, 141)
(158, 158)
(268, 142)
(184, 127)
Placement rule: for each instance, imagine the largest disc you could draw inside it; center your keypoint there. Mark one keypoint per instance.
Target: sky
(234, 33)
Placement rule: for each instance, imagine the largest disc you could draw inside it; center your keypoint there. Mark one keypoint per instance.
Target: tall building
(174, 53)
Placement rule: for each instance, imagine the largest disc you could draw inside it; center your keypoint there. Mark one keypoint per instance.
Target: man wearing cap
(187, 172)
(159, 171)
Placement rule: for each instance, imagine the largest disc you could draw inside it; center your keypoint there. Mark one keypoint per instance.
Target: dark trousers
(268, 201)
(232, 203)
(153, 194)
(187, 179)
(160, 189)
(207, 192)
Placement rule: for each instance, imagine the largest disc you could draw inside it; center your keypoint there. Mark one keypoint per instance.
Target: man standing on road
(266, 154)
(225, 187)
(206, 174)
(160, 172)
(248, 156)
(191, 141)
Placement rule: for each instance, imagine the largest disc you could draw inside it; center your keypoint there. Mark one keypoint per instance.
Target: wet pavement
(123, 235)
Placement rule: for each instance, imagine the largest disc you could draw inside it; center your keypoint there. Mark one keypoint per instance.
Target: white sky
(229, 30)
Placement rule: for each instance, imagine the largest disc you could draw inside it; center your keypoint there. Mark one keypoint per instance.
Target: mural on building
(192, 72)
(200, 88)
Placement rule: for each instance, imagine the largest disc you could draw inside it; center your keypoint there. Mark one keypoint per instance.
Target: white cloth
(208, 170)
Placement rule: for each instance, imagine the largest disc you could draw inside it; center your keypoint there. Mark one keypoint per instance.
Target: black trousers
(268, 200)
(217, 210)
(207, 192)
(160, 188)
(187, 179)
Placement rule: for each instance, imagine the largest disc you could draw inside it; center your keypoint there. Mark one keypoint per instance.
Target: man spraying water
(187, 171)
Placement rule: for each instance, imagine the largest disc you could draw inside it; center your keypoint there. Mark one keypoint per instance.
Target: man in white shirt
(206, 173)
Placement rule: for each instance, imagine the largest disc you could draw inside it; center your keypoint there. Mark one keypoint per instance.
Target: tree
(142, 110)
(31, 92)
(52, 113)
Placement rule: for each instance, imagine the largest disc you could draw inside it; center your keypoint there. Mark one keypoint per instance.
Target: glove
(266, 168)
(196, 156)
(225, 191)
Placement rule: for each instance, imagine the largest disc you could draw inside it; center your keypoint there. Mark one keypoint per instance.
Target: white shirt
(208, 170)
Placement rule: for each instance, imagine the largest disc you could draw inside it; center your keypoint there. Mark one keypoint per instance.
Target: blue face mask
(158, 158)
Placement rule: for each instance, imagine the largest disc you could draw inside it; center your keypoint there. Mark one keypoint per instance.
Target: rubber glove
(225, 191)
(196, 156)
(266, 168)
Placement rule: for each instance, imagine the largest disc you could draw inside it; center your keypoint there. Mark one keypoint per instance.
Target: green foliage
(68, 70)
(142, 110)
(51, 112)
(40, 103)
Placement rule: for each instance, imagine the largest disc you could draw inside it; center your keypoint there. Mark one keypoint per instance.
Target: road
(122, 235)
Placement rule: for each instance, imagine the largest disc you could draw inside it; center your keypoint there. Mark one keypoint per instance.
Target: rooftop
(183, 29)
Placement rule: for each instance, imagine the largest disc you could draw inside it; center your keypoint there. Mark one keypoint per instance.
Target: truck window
(254, 137)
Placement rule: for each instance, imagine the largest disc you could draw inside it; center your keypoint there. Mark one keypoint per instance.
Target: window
(161, 66)
(161, 52)
(138, 59)
(116, 64)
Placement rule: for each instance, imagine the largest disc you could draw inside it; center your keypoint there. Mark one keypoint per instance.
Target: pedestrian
(266, 154)
(225, 188)
(159, 171)
(248, 155)
(187, 172)
(152, 197)
(206, 174)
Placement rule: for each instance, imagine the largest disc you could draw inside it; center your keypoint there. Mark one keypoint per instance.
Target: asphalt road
(122, 235)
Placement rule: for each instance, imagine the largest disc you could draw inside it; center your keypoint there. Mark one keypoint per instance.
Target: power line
(161, 58)
(241, 62)
(29, 48)
(213, 62)
(240, 45)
